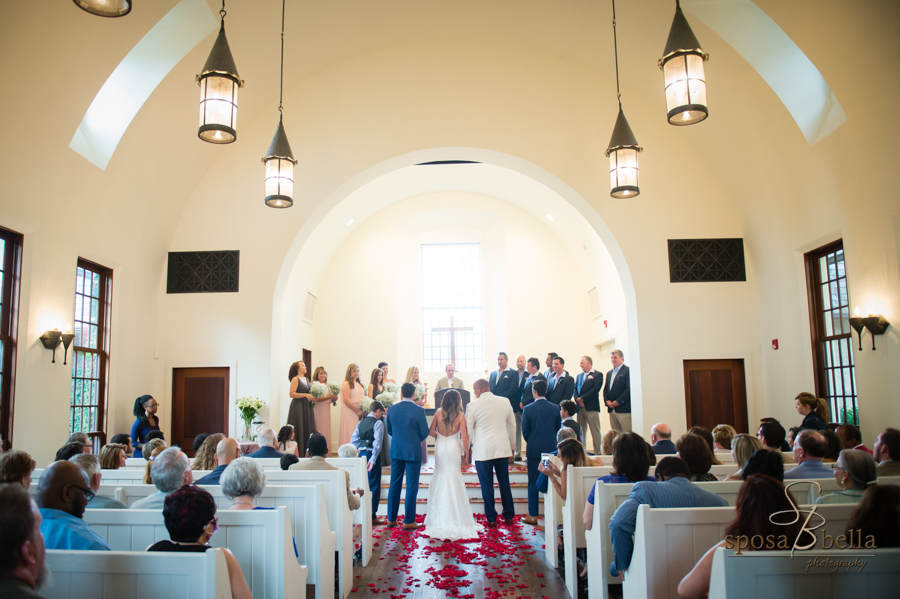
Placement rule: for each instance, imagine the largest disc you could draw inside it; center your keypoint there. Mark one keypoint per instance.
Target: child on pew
(190, 517)
(760, 497)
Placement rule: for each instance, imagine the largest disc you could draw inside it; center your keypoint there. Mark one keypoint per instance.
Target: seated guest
(347, 450)
(854, 471)
(112, 456)
(792, 434)
(742, 447)
(760, 497)
(877, 515)
(150, 455)
(567, 411)
(851, 438)
(62, 496)
(268, 439)
(543, 483)
(722, 436)
(198, 442)
(631, 463)
(771, 433)
(91, 466)
(286, 443)
(673, 489)
(243, 481)
(809, 451)
(205, 458)
(155, 435)
(835, 445)
(699, 457)
(706, 435)
(569, 452)
(83, 439)
(316, 450)
(661, 439)
(68, 450)
(784, 447)
(190, 517)
(227, 451)
(16, 466)
(171, 470)
(288, 460)
(763, 461)
(151, 446)
(22, 567)
(608, 438)
(814, 411)
(887, 452)
(123, 439)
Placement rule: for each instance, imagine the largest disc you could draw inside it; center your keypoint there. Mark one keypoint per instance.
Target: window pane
(95, 291)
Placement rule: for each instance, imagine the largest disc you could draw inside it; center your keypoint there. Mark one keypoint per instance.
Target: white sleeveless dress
(449, 514)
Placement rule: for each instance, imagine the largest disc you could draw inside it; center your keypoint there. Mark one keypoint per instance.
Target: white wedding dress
(449, 514)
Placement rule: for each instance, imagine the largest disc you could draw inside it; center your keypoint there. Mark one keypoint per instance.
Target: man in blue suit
(408, 428)
(268, 440)
(540, 421)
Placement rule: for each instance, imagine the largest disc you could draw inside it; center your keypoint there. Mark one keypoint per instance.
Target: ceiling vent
(309, 308)
(594, 303)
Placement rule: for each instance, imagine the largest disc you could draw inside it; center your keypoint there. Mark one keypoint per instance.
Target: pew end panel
(579, 482)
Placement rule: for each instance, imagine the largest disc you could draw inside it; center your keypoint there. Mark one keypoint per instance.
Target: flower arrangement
(387, 399)
(318, 390)
(366, 404)
(334, 389)
(249, 408)
(391, 388)
(420, 391)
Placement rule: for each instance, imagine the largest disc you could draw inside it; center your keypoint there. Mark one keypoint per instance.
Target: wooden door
(715, 393)
(199, 404)
(307, 359)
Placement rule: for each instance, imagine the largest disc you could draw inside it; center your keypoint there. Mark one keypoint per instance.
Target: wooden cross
(452, 329)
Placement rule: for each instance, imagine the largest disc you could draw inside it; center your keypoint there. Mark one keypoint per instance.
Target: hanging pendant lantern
(105, 8)
(219, 84)
(623, 160)
(279, 161)
(682, 67)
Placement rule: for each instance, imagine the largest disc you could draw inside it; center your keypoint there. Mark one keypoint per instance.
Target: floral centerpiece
(249, 408)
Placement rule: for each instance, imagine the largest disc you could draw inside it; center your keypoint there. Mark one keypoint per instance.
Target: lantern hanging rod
(222, 12)
(616, 52)
(281, 82)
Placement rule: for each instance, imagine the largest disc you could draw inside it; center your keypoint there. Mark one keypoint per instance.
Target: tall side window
(829, 312)
(10, 275)
(90, 359)
(452, 328)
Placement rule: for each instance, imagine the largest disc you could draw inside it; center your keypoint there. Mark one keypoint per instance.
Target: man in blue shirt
(672, 489)
(368, 439)
(62, 496)
(809, 451)
(227, 451)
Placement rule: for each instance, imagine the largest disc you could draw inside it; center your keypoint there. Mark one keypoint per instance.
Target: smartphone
(545, 459)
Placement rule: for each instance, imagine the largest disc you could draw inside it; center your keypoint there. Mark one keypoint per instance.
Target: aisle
(507, 561)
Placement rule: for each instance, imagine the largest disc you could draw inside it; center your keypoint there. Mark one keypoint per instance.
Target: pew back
(607, 497)
(128, 575)
(579, 482)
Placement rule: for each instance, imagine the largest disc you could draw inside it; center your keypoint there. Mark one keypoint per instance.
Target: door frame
(170, 386)
(751, 375)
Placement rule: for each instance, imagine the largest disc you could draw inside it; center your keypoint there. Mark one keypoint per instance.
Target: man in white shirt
(450, 381)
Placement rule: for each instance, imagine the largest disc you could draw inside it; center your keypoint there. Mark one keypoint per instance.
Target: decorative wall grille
(203, 272)
(706, 260)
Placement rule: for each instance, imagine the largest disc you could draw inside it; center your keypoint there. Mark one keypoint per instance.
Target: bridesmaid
(412, 376)
(323, 406)
(384, 368)
(376, 383)
(376, 387)
(352, 393)
(301, 415)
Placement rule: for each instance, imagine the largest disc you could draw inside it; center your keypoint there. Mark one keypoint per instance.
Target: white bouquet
(318, 390)
(386, 398)
(334, 389)
(249, 408)
(420, 391)
(365, 404)
(391, 388)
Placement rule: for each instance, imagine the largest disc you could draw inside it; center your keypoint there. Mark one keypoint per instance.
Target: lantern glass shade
(623, 173)
(685, 89)
(279, 182)
(105, 8)
(218, 108)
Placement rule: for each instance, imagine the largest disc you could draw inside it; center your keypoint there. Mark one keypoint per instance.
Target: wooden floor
(507, 561)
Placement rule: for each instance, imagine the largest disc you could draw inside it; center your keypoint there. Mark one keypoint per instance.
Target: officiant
(450, 381)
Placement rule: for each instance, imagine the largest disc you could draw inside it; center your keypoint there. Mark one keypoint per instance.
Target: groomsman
(521, 375)
(532, 367)
(540, 422)
(588, 385)
(449, 381)
(549, 362)
(560, 384)
(617, 393)
(504, 383)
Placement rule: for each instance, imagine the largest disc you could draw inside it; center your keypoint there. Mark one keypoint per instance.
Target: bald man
(661, 438)
(227, 451)
(62, 496)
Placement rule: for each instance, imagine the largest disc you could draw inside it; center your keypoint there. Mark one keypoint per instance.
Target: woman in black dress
(301, 414)
(376, 387)
(814, 411)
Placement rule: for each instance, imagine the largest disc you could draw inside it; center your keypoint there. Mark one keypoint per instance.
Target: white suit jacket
(443, 384)
(491, 426)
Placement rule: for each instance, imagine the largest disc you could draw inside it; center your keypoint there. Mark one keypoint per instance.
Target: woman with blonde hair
(151, 451)
(323, 407)
(301, 414)
(814, 411)
(112, 456)
(352, 392)
(206, 455)
(152, 445)
(608, 438)
(742, 447)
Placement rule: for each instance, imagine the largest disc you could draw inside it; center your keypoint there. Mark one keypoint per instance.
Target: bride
(449, 514)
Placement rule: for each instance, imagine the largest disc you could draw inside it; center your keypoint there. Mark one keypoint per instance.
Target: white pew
(309, 522)
(579, 482)
(668, 542)
(774, 575)
(359, 477)
(131, 575)
(261, 541)
(607, 497)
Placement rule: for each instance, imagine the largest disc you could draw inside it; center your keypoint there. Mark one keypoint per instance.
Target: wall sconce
(875, 323)
(51, 340)
(66, 341)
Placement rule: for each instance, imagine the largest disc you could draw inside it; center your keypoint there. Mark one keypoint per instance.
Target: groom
(492, 432)
(407, 425)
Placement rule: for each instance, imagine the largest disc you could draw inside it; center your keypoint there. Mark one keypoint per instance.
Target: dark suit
(527, 393)
(588, 386)
(408, 427)
(540, 421)
(213, 477)
(504, 384)
(562, 389)
(514, 401)
(266, 452)
(664, 447)
(620, 392)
